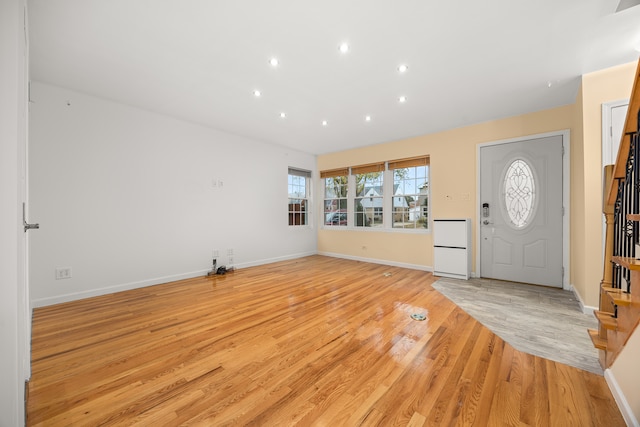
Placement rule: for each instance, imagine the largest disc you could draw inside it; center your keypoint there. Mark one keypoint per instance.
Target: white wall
(125, 197)
(14, 313)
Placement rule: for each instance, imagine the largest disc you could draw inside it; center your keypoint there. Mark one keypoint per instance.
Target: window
(519, 193)
(298, 185)
(410, 205)
(390, 195)
(335, 197)
(369, 200)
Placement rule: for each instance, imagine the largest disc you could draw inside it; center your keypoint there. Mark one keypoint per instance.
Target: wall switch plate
(63, 273)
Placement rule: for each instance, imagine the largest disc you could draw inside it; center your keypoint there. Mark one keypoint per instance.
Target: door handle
(487, 222)
(27, 226)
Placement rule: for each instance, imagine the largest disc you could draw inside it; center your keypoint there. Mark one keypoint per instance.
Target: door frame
(566, 197)
(607, 131)
(607, 143)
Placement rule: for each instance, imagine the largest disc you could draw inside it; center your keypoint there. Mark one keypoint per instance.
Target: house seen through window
(335, 197)
(391, 195)
(410, 193)
(369, 200)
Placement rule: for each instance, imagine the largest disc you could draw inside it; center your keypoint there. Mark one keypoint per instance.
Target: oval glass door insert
(519, 193)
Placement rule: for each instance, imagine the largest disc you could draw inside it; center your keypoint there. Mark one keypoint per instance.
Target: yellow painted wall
(577, 223)
(453, 175)
(627, 375)
(599, 87)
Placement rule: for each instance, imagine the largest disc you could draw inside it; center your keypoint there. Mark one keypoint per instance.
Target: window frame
(416, 195)
(341, 202)
(388, 180)
(304, 213)
(363, 219)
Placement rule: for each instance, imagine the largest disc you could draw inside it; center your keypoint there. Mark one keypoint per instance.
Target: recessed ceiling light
(403, 68)
(283, 115)
(402, 99)
(367, 118)
(324, 123)
(344, 47)
(257, 93)
(274, 62)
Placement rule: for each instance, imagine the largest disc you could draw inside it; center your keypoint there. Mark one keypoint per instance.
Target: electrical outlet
(63, 273)
(230, 252)
(230, 261)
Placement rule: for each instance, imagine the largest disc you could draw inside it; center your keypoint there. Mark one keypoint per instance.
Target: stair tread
(621, 298)
(606, 319)
(633, 217)
(598, 342)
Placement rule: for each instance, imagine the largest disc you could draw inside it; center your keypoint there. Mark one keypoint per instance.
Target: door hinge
(563, 211)
(563, 150)
(563, 272)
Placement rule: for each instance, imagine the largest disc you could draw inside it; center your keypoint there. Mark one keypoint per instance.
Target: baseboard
(58, 299)
(41, 302)
(586, 309)
(275, 259)
(621, 400)
(378, 261)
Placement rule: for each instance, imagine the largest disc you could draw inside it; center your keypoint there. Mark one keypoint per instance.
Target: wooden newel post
(608, 210)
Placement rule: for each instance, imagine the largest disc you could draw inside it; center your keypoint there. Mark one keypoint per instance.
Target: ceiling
(201, 60)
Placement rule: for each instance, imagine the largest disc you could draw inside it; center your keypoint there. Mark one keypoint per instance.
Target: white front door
(521, 231)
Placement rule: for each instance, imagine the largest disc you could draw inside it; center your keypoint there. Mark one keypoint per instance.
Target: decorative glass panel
(519, 193)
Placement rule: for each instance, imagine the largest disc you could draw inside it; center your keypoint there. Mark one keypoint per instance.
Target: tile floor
(546, 322)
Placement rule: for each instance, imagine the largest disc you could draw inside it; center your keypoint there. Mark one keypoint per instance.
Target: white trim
(378, 261)
(586, 309)
(618, 395)
(275, 259)
(606, 126)
(566, 197)
(607, 143)
(41, 302)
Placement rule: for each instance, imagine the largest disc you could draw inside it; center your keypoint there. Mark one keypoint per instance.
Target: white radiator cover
(452, 248)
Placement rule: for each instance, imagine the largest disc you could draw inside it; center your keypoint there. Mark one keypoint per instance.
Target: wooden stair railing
(619, 310)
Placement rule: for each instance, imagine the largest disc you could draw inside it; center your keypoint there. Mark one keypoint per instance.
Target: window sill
(379, 230)
(300, 227)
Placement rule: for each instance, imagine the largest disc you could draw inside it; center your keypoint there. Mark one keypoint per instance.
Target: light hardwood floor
(313, 341)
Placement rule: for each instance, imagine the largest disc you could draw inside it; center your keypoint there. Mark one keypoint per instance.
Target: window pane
(298, 188)
(335, 203)
(369, 209)
(335, 187)
(369, 184)
(369, 212)
(297, 212)
(410, 204)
